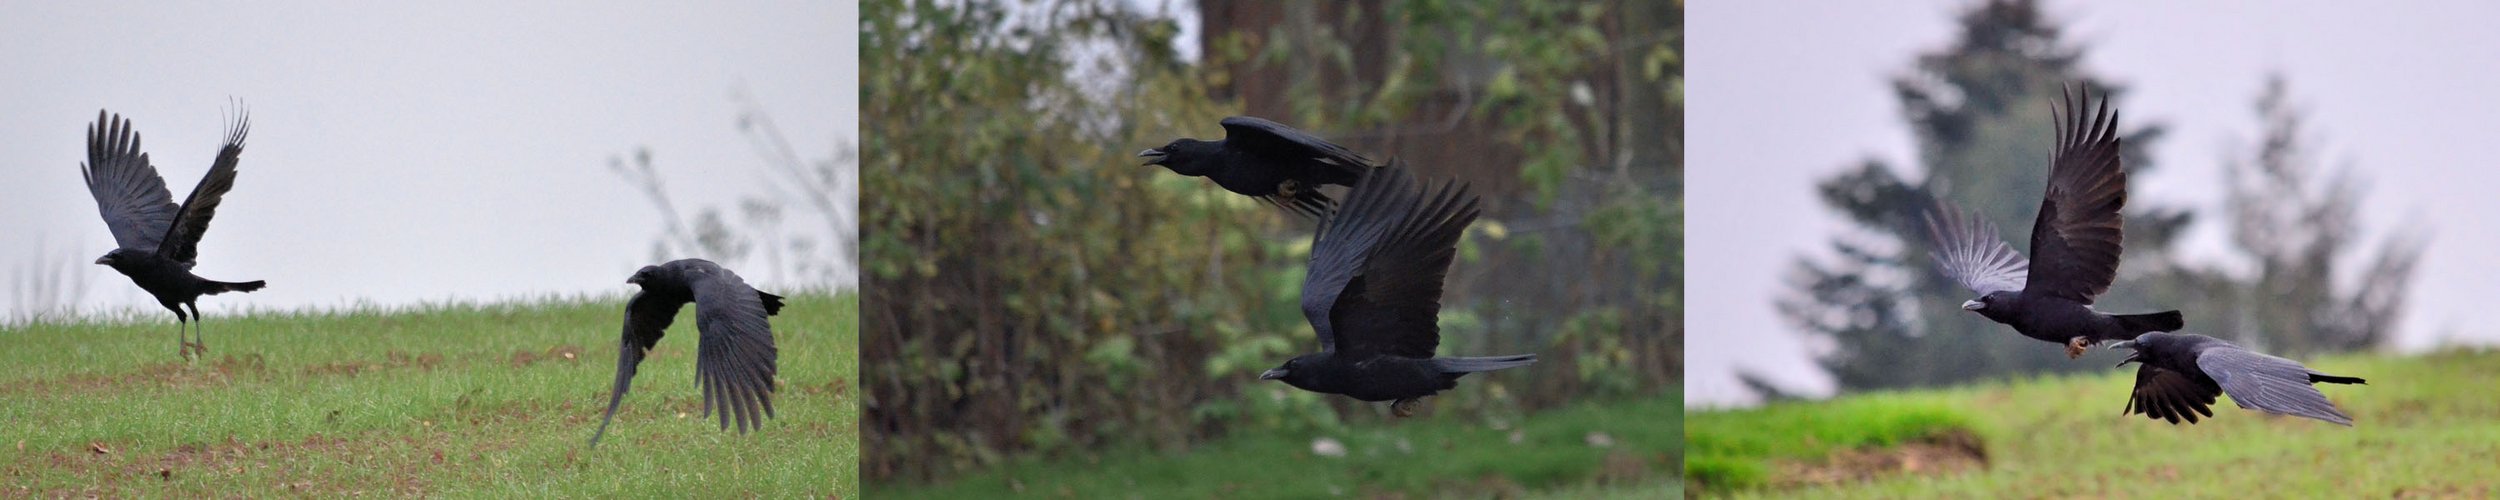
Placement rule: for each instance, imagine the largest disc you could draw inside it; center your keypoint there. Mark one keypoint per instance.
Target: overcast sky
(1783, 93)
(417, 151)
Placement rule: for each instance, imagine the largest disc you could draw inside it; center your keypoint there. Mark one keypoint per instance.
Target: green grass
(1545, 454)
(2425, 425)
(457, 400)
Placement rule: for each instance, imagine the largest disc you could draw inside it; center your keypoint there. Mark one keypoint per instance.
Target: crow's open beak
(1973, 305)
(1152, 155)
(1272, 374)
(2123, 344)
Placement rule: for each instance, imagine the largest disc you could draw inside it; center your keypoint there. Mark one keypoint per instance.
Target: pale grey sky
(405, 152)
(1783, 93)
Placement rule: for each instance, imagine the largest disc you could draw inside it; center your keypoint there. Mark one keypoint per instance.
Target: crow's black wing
(1378, 205)
(1394, 307)
(2267, 383)
(1971, 252)
(127, 189)
(2077, 237)
(1267, 138)
(738, 360)
(646, 317)
(2165, 394)
(182, 240)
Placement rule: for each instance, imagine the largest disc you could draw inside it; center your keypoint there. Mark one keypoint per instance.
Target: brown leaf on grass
(98, 448)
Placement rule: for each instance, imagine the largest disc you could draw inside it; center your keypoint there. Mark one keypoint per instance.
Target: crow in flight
(1268, 160)
(2179, 375)
(736, 361)
(2074, 243)
(1373, 293)
(157, 240)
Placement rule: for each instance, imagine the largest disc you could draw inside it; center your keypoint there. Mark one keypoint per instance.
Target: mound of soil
(1949, 452)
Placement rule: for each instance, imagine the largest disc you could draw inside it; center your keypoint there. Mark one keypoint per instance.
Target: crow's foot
(1405, 407)
(1288, 189)
(2075, 347)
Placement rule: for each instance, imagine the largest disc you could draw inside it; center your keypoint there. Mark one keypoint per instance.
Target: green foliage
(493, 400)
(1033, 290)
(1741, 449)
(2421, 427)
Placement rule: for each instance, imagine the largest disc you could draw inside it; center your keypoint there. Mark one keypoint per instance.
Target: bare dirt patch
(172, 374)
(1951, 452)
(565, 353)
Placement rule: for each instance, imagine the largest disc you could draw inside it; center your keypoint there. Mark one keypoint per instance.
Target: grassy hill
(1586, 451)
(464, 400)
(2424, 426)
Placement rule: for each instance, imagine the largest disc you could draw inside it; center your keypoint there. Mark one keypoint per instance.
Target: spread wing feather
(2266, 383)
(1970, 251)
(2076, 240)
(1394, 307)
(182, 239)
(127, 190)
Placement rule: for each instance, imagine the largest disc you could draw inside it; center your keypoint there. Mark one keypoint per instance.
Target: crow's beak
(104, 261)
(1973, 305)
(1152, 155)
(2123, 344)
(636, 280)
(1272, 374)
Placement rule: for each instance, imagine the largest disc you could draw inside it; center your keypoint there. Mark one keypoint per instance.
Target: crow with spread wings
(157, 240)
(1373, 293)
(2179, 374)
(736, 360)
(2074, 245)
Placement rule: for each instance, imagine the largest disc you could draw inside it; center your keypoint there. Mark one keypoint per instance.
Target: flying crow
(735, 362)
(1268, 160)
(2074, 245)
(2180, 373)
(157, 240)
(1373, 293)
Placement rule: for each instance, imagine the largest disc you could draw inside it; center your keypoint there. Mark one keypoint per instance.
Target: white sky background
(1781, 94)
(407, 152)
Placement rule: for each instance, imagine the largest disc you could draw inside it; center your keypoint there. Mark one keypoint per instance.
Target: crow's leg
(2075, 346)
(182, 331)
(1406, 407)
(197, 332)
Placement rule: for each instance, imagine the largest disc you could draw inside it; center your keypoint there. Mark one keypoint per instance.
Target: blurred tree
(828, 188)
(1033, 290)
(1980, 113)
(2299, 230)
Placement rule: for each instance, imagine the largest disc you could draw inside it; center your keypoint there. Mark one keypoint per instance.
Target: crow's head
(1301, 371)
(2148, 346)
(646, 275)
(1185, 156)
(1993, 305)
(112, 257)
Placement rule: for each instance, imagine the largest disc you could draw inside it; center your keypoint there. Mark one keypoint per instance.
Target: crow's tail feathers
(1482, 364)
(217, 287)
(2318, 378)
(2166, 321)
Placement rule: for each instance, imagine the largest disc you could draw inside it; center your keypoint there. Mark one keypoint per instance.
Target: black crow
(1373, 293)
(158, 240)
(1268, 160)
(2074, 243)
(2180, 373)
(736, 361)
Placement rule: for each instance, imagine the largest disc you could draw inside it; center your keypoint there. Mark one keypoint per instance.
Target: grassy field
(1589, 451)
(2424, 426)
(476, 401)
